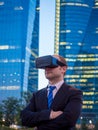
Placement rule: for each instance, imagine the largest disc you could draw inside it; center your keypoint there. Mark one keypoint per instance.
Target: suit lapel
(60, 95)
(43, 98)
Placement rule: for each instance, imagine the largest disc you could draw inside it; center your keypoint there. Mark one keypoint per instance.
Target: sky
(46, 38)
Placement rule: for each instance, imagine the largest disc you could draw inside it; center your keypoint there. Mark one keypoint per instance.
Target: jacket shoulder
(71, 88)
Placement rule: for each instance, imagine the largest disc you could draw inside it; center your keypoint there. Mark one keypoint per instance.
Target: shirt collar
(58, 85)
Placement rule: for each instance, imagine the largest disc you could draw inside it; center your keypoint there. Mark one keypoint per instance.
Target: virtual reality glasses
(48, 61)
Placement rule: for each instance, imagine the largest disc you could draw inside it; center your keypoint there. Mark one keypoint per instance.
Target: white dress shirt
(58, 85)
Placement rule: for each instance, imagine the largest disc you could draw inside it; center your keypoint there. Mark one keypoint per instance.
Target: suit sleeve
(70, 114)
(30, 117)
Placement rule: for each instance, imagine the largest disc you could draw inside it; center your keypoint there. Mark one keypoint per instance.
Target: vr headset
(48, 61)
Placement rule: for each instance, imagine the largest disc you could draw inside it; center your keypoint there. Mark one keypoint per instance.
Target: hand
(54, 114)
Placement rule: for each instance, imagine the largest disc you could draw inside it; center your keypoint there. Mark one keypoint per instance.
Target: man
(66, 105)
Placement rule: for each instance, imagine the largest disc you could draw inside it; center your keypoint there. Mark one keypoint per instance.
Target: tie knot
(51, 88)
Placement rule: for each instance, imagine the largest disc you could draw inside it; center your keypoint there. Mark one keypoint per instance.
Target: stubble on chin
(48, 75)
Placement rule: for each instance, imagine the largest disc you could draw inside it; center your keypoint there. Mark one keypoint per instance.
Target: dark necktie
(50, 95)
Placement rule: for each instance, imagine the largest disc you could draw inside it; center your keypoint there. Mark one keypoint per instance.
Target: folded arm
(31, 117)
(47, 119)
(69, 116)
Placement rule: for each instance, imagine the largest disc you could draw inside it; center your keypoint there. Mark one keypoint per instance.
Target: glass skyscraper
(76, 38)
(18, 45)
(33, 72)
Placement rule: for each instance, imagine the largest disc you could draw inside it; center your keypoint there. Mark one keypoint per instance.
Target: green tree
(26, 98)
(11, 107)
(1, 114)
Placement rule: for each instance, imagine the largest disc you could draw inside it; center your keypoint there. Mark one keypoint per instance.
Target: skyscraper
(33, 72)
(76, 38)
(17, 19)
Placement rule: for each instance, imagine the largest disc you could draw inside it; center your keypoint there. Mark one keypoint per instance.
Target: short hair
(60, 58)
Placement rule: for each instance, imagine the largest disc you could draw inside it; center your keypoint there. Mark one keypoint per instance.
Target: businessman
(58, 105)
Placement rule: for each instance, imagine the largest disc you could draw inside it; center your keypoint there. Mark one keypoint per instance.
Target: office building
(76, 38)
(17, 46)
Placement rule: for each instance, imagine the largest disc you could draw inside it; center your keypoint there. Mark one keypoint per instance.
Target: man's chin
(48, 77)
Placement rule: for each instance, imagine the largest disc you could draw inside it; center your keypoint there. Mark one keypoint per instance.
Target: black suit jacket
(68, 99)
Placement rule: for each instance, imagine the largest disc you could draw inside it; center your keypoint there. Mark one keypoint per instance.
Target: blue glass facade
(76, 38)
(16, 26)
(33, 72)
